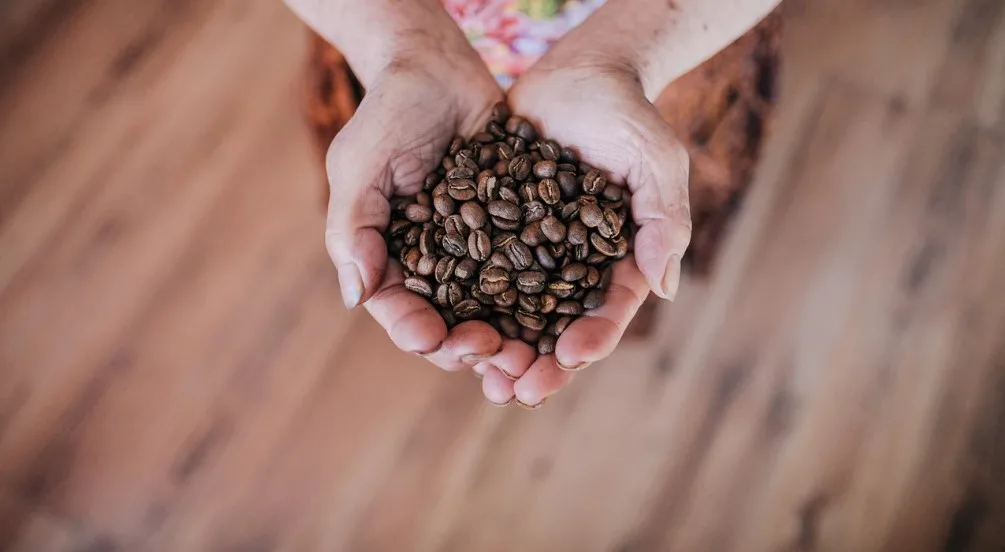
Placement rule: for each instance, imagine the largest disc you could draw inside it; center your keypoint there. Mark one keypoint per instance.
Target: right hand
(412, 110)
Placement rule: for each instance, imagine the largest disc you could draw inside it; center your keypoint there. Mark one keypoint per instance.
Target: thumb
(662, 212)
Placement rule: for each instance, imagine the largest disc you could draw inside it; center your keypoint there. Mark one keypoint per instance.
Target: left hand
(597, 104)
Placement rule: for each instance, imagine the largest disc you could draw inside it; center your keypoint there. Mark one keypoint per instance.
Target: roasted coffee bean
(501, 169)
(449, 317)
(440, 189)
(548, 303)
(530, 320)
(531, 281)
(527, 192)
(578, 233)
(520, 167)
(438, 219)
(504, 224)
(568, 155)
(561, 289)
(427, 241)
(530, 336)
(482, 297)
(445, 269)
(533, 211)
(580, 252)
(602, 245)
(493, 280)
(560, 325)
(571, 308)
(574, 272)
(413, 234)
(596, 259)
(479, 245)
(473, 215)
(439, 234)
(460, 173)
(523, 130)
(448, 163)
(399, 228)
(528, 303)
(605, 278)
(546, 345)
(467, 268)
(455, 146)
(411, 261)
(570, 211)
(591, 215)
(462, 190)
(500, 113)
(594, 182)
(509, 327)
(532, 234)
(512, 123)
(467, 308)
(483, 137)
(454, 293)
(612, 192)
(610, 225)
(544, 258)
(399, 204)
(504, 210)
(466, 158)
(427, 265)
(418, 285)
(454, 224)
(567, 184)
(499, 259)
(557, 250)
(503, 239)
(519, 254)
(444, 205)
(592, 277)
(422, 198)
(505, 152)
(621, 247)
(535, 156)
(549, 192)
(545, 169)
(488, 187)
(509, 195)
(550, 150)
(553, 229)
(593, 299)
(455, 244)
(432, 179)
(496, 130)
(506, 299)
(519, 145)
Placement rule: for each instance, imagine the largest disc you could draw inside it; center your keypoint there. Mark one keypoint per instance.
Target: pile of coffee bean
(512, 229)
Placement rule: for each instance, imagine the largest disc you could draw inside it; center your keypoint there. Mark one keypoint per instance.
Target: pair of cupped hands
(412, 110)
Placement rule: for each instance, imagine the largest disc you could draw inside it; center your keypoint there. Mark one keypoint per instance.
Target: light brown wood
(176, 372)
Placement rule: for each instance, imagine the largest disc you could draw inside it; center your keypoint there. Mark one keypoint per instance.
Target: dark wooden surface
(176, 372)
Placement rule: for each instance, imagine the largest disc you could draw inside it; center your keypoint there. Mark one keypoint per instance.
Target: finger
(594, 335)
(660, 208)
(541, 381)
(514, 358)
(466, 344)
(409, 320)
(496, 387)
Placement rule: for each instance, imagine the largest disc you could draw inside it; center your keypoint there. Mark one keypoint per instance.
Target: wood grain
(176, 372)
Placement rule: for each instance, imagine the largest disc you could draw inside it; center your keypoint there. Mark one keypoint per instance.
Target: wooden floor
(176, 373)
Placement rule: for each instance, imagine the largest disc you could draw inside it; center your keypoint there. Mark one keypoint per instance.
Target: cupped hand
(407, 119)
(599, 107)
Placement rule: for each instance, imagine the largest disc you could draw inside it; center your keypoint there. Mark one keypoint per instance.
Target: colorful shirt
(510, 35)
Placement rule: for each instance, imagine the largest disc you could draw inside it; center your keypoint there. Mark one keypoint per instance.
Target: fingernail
(477, 375)
(351, 284)
(502, 405)
(526, 406)
(671, 278)
(507, 374)
(473, 359)
(572, 368)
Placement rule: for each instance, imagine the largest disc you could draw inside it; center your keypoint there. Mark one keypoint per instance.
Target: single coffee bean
(592, 277)
(418, 285)
(503, 224)
(509, 195)
(445, 268)
(605, 277)
(501, 168)
(546, 345)
(399, 228)
(519, 145)
(528, 303)
(462, 190)
(610, 225)
(530, 336)
(500, 113)
(532, 234)
(602, 245)
(561, 325)
(519, 254)
(460, 173)
(512, 123)
(548, 303)
(544, 258)
(454, 224)
(520, 167)
(568, 155)
(506, 299)
(557, 250)
(621, 247)
(443, 295)
(427, 241)
(412, 259)
(612, 192)
(488, 187)
(413, 234)
(466, 158)
(440, 189)
(493, 280)
(444, 205)
(473, 215)
(449, 317)
(483, 137)
(591, 215)
(526, 131)
(527, 192)
(571, 308)
(448, 163)
(467, 308)
(549, 192)
(432, 179)
(466, 269)
(482, 297)
(422, 198)
(578, 233)
(503, 239)
(504, 210)
(593, 299)
(531, 281)
(596, 259)
(545, 169)
(426, 265)
(535, 156)
(496, 130)
(533, 211)
(567, 183)
(455, 244)
(505, 152)
(594, 182)
(399, 204)
(438, 219)
(499, 259)
(439, 234)
(550, 150)
(574, 272)
(553, 229)
(579, 252)
(561, 289)
(503, 310)
(479, 245)
(455, 146)
(509, 327)
(530, 320)
(570, 211)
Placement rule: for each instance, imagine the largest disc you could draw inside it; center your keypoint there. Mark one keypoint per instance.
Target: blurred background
(177, 372)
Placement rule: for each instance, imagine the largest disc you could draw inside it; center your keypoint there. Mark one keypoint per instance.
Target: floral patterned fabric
(510, 35)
